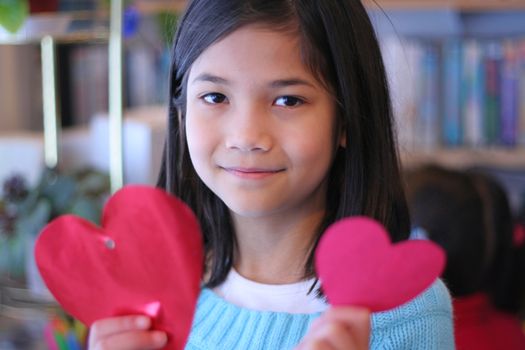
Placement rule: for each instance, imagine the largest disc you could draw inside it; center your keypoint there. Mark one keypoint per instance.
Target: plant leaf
(60, 191)
(13, 13)
(89, 209)
(92, 183)
(32, 222)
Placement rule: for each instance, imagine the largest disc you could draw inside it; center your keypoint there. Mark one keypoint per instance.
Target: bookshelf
(27, 317)
(74, 27)
(422, 32)
(153, 6)
(157, 6)
(492, 18)
(78, 56)
(457, 5)
(510, 159)
(452, 18)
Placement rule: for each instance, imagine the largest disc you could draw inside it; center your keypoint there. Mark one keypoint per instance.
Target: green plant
(24, 212)
(13, 14)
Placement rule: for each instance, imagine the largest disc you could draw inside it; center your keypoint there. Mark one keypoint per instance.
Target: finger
(355, 319)
(347, 314)
(108, 326)
(334, 335)
(342, 326)
(134, 340)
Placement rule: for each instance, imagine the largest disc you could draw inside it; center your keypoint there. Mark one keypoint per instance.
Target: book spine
(89, 82)
(78, 72)
(428, 116)
(472, 98)
(452, 128)
(509, 94)
(492, 64)
(402, 59)
(521, 79)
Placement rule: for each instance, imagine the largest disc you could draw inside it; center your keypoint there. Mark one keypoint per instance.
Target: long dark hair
(448, 206)
(339, 46)
(505, 280)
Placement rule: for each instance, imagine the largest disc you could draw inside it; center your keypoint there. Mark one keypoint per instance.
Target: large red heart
(358, 266)
(146, 258)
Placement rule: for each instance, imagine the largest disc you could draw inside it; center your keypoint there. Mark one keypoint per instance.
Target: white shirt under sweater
(290, 298)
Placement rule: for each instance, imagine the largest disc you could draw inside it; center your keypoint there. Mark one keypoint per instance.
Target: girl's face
(260, 128)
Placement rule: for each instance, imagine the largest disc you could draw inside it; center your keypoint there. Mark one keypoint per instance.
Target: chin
(252, 208)
(252, 212)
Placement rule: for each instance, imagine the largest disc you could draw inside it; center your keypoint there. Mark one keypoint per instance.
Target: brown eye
(214, 98)
(288, 101)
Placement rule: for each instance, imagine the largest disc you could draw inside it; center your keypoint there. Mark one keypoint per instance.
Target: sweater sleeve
(423, 323)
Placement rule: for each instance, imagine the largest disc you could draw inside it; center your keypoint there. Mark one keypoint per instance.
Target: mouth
(252, 173)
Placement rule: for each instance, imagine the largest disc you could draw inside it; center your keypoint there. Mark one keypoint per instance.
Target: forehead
(253, 50)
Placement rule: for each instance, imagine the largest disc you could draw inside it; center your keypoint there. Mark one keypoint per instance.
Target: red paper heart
(146, 258)
(358, 266)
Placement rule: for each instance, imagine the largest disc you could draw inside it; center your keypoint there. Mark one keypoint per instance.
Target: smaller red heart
(358, 265)
(147, 258)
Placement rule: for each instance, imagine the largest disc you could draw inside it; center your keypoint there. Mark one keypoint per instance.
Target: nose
(249, 130)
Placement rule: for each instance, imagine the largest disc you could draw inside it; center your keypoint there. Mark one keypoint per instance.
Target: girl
(280, 123)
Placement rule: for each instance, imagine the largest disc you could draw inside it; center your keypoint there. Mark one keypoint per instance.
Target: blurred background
(456, 72)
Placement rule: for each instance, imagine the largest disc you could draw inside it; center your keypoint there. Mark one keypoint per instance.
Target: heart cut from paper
(147, 258)
(358, 266)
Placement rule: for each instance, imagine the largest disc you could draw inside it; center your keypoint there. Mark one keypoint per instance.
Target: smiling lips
(252, 173)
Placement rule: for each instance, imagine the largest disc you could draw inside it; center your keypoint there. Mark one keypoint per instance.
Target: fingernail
(142, 322)
(160, 338)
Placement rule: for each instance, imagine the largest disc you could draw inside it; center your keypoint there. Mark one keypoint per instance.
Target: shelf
(463, 158)
(56, 24)
(149, 7)
(72, 38)
(79, 26)
(89, 26)
(458, 5)
(64, 27)
(155, 6)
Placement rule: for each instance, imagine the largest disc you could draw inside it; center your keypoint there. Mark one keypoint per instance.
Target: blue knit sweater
(423, 323)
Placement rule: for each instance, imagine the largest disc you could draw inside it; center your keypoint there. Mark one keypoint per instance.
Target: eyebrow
(280, 83)
(290, 82)
(206, 77)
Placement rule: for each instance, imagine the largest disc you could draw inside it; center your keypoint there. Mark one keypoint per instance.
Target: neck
(274, 250)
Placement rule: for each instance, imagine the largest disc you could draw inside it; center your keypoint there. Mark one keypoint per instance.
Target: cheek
(314, 154)
(312, 145)
(200, 139)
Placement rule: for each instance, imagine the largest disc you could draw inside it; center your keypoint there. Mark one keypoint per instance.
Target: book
(452, 124)
(20, 89)
(402, 60)
(492, 62)
(89, 82)
(509, 94)
(473, 94)
(428, 126)
(521, 88)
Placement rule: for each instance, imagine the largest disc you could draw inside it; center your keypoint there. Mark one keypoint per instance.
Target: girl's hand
(340, 328)
(125, 333)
